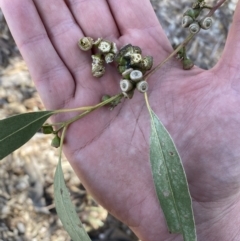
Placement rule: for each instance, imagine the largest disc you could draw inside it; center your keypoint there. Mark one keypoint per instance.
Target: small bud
(126, 73)
(98, 70)
(85, 43)
(109, 58)
(47, 129)
(206, 23)
(181, 53)
(136, 75)
(142, 86)
(105, 97)
(187, 64)
(186, 21)
(114, 48)
(56, 141)
(147, 62)
(194, 28)
(126, 85)
(105, 46)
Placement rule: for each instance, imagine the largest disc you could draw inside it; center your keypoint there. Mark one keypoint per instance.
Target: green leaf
(17, 130)
(170, 182)
(65, 208)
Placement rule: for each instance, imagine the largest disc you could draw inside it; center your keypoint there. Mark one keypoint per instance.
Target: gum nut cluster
(130, 63)
(132, 66)
(190, 21)
(106, 53)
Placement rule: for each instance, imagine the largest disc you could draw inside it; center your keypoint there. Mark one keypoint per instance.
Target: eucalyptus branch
(183, 44)
(88, 110)
(214, 8)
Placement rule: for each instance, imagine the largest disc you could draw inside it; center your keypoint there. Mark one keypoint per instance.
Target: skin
(109, 149)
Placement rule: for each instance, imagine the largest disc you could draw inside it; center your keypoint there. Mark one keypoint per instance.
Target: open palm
(109, 149)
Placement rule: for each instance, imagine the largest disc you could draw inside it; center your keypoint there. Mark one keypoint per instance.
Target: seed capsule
(129, 94)
(85, 43)
(147, 62)
(98, 70)
(125, 50)
(109, 58)
(136, 59)
(121, 68)
(126, 73)
(104, 46)
(142, 86)
(136, 75)
(186, 21)
(97, 42)
(193, 13)
(206, 23)
(46, 129)
(137, 50)
(56, 141)
(114, 48)
(187, 64)
(194, 28)
(97, 59)
(126, 85)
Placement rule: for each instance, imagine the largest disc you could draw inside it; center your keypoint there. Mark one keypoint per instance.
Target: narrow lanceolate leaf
(170, 182)
(17, 130)
(65, 208)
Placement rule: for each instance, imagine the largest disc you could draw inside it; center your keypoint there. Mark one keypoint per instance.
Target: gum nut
(85, 43)
(122, 52)
(193, 13)
(137, 50)
(128, 94)
(194, 28)
(125, 85)
(97, 42)
(46, 129)
(142, 86)
(56, 141)
(136, 58)
(206, 23)
(97, 60)
(136, 75)
(186, 21)
(147, 62)
(98, 70)
(121, 68)
(187, 64)
(109, 58)
(126, 73)
(105, 97)
(105, 46)
(114, 48)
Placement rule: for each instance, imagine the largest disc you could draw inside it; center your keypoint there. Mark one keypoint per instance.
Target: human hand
(109, 150)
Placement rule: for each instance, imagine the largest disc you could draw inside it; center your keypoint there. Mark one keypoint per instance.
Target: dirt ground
(27, 211)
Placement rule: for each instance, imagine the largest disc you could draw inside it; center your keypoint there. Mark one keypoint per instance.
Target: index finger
(46, 67)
